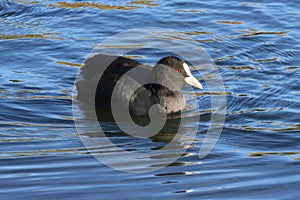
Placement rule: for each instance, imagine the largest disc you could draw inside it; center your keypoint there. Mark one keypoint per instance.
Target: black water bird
(118, 78)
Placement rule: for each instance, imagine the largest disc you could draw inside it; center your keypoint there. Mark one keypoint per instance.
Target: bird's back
(109, 79)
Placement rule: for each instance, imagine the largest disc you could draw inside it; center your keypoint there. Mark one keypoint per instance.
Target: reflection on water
(92, 5)
(256, 48)
(229, 22)
(63, 4)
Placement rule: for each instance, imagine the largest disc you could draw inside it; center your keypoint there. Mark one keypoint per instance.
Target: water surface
(256, 47)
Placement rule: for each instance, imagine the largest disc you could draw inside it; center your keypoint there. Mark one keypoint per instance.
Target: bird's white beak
(191, 79)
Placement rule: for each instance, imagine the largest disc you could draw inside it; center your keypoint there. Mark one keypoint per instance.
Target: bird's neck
(172, 101)
(157, 89)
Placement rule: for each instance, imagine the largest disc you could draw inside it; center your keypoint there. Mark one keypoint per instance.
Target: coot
(118, 78)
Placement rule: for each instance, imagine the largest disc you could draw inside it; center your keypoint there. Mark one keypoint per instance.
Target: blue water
(255, 45)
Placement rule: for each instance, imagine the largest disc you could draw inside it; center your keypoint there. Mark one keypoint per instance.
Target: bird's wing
(100, 74)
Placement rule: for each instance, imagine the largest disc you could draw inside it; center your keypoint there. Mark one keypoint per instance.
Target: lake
(255, 48)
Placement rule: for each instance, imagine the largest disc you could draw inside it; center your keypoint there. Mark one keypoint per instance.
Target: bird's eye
(178, 70)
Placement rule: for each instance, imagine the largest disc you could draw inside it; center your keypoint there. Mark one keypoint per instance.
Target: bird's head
(175, 73)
